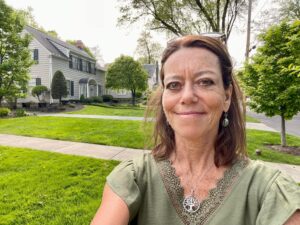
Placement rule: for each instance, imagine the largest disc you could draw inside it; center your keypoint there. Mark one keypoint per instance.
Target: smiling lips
(191, 113)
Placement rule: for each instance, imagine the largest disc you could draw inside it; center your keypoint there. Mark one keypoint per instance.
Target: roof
(150, 68)
(54, 45)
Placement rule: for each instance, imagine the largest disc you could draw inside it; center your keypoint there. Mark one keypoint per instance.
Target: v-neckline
(209, 204)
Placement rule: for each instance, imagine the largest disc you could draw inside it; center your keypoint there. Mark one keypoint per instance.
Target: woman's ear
(228, 93)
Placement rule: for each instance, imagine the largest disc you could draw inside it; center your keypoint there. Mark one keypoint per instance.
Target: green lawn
(126, 134)
(48, 188)
(107, 132)
(110, 110)
(251, 119)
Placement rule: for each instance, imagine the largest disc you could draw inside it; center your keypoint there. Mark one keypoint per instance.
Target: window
(74, 62)
(36, 55)
(38, 81)
(93, 71)
(84, 66)
(70, 87)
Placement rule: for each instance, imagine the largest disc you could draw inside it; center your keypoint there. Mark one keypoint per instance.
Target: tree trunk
(1, 97)
(283, 138)
(133, 97)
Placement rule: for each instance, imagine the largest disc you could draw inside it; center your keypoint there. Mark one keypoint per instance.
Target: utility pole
(248, 30)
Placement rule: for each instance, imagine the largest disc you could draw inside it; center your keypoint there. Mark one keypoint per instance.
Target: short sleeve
(123, 181)
(281, 200)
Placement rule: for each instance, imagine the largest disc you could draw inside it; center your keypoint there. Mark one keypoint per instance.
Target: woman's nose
(189, 95)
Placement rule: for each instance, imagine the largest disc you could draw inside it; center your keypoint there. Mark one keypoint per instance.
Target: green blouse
(249, 193)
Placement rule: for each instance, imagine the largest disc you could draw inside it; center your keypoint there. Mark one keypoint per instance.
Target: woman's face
(194, 97)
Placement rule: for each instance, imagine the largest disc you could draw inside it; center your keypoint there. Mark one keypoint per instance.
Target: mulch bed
(293, 150)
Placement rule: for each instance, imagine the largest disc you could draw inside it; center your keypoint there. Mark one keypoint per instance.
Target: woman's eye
(205, 82)
(173, 86)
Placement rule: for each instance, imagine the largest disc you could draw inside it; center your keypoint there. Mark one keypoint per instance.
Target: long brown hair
(230, 142)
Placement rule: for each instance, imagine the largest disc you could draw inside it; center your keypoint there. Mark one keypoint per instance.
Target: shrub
(81, 98)
(38, 90)
(138, 94)
(107, 98)
(20, 113)
(96, 99)
(4, 112)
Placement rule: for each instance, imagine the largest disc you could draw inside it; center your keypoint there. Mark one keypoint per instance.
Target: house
(153, 81)
(84, 76)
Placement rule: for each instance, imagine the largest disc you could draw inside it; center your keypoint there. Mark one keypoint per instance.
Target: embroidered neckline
(208, 205)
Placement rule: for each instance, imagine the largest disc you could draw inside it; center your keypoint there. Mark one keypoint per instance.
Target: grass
(251, 119)
(49, 188)
(107, 132)
(127, 134)
(111, 110)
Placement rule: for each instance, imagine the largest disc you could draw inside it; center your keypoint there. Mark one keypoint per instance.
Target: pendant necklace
(190, 203)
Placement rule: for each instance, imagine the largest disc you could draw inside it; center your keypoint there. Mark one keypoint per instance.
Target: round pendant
(191, 204)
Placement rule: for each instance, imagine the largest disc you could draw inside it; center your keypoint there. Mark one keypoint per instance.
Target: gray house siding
(51, 55)
(40, 69)
(76, 75)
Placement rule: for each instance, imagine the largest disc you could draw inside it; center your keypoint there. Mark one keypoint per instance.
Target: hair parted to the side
(230, 143)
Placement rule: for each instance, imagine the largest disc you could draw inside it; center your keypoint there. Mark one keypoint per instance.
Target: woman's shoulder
(263, 177)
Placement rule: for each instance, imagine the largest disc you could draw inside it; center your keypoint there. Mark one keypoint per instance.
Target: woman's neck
(193, 155)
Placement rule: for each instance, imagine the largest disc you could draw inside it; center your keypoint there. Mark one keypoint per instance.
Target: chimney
(79, 44)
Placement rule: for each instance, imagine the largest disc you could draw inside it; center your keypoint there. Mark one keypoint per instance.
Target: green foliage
(270, 78)
(183, 17)
(4, 111)
(40, 187)
(20, 113)
(290, 9)
(147, 50)
(38, 90)
(82, 98)
(126, 73)
(15, 57)
(59, 86)
(107, 98)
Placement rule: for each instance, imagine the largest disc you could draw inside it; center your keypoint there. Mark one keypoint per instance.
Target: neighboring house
(84, 76)
(153, 81)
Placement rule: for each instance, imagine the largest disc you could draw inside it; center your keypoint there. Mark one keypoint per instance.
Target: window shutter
(70, 62)
(72, 88)
(38, 81)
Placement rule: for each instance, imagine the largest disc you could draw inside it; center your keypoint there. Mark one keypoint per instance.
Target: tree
(38, 90)
(126, 73)
(15, 57)
(59, 86)
(85, 48)
(147, 50)
(181, 17)
(272, 78)
(276, 12)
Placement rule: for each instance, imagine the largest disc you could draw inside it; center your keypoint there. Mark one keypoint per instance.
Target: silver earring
(225, 121)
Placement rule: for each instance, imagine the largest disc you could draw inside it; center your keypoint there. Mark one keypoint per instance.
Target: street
(292, 126)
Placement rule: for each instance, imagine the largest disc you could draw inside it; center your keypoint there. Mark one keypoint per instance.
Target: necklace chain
(191, 203)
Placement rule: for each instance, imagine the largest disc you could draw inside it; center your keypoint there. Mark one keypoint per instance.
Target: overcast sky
(94, 22)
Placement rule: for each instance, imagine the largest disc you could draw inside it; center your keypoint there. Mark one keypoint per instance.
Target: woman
(198, 173)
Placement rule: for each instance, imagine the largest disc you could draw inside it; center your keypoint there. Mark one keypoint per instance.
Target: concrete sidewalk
(103, 151)
(256, 126)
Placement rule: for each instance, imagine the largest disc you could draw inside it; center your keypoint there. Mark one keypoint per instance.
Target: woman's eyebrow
(173, 77)
(203, 72)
